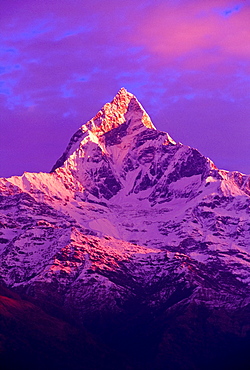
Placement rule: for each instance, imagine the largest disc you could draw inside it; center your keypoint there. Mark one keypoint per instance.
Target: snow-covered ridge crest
(124, 106)
(113, 114)
(120, 151)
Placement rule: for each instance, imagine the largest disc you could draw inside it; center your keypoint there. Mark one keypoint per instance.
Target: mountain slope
(128, 230)
(33, 339)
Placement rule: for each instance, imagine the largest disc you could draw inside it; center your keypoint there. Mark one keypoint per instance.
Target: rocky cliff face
(140, 239)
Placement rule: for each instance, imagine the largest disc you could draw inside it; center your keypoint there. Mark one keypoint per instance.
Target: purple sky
(187, 61)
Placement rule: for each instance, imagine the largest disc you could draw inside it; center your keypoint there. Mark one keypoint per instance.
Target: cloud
(196, 29)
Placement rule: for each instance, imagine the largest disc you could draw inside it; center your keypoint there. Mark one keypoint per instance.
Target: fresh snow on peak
(119, 153)
(124, 108)
(115, 113)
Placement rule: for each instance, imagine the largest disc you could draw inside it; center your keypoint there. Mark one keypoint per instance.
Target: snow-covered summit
(123, 108)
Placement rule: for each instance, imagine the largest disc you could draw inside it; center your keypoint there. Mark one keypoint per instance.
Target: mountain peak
(123, 108)
(123, 91)
(116, 113)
